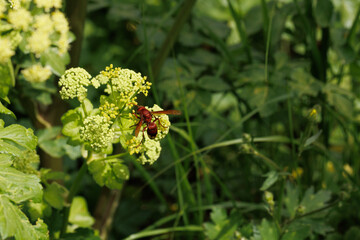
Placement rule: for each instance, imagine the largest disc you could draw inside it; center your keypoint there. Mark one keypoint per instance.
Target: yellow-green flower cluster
(148, 149)
(134, 145)
(6, 50)
(36, 73)
(37, 30)
(73, 83)
(97, 132)
(124, 82)
(109, 110)
(48, 4)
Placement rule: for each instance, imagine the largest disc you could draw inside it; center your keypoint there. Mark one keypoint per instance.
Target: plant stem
(180, 19)
(73, 190)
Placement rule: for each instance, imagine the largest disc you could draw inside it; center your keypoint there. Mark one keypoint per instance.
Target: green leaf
(79, 213)
(268, 230)
(291, 199)
(19, 135)
(313, 201)
(55, 195)
(352, 233)
(323, 12)
(14, 223)
(19, 186)
(6, 79)
(72, 121)
(213, 83)
(55, 61)
(297, 231)
(52, 142)
(111, 173)
(6, 111)
(9, 149)
(272, 177)
(5, 160)
(312, 139)
(222, 226)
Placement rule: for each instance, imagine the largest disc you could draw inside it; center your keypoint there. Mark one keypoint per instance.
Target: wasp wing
(170, 112)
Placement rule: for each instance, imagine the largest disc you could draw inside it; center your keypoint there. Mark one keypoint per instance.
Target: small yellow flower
(330, 167)
(6, 50)
(36, 73)
(348, 169)
(298, 172)
(134, 145)
(313, 112)
(20, 18)
(110, 111)
(125, 83)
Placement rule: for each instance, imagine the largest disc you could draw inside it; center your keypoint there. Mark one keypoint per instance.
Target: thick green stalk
(180, 19)
(73, 191)
(265, 14)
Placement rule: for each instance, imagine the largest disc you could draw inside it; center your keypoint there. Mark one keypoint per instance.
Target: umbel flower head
(97, 132)
(148, 149)
(122, 82)
(73, 83)
(37, 26)
(36, 73)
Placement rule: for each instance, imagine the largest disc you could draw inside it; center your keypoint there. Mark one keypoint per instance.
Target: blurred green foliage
(264, 68)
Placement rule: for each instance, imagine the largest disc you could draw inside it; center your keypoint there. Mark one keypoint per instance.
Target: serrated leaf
(14, 223)
(19, 135)
(272, 177)
(323, 12)
(79, 213)
(297, 231)
(291, 199)
(223, 227)
(19, 186)
(111, 173)
(6, 111)
(54, 61)
(55, 194)
(268, 230)
(313, 201)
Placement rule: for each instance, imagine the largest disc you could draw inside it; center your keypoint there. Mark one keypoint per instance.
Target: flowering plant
(114, 121)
